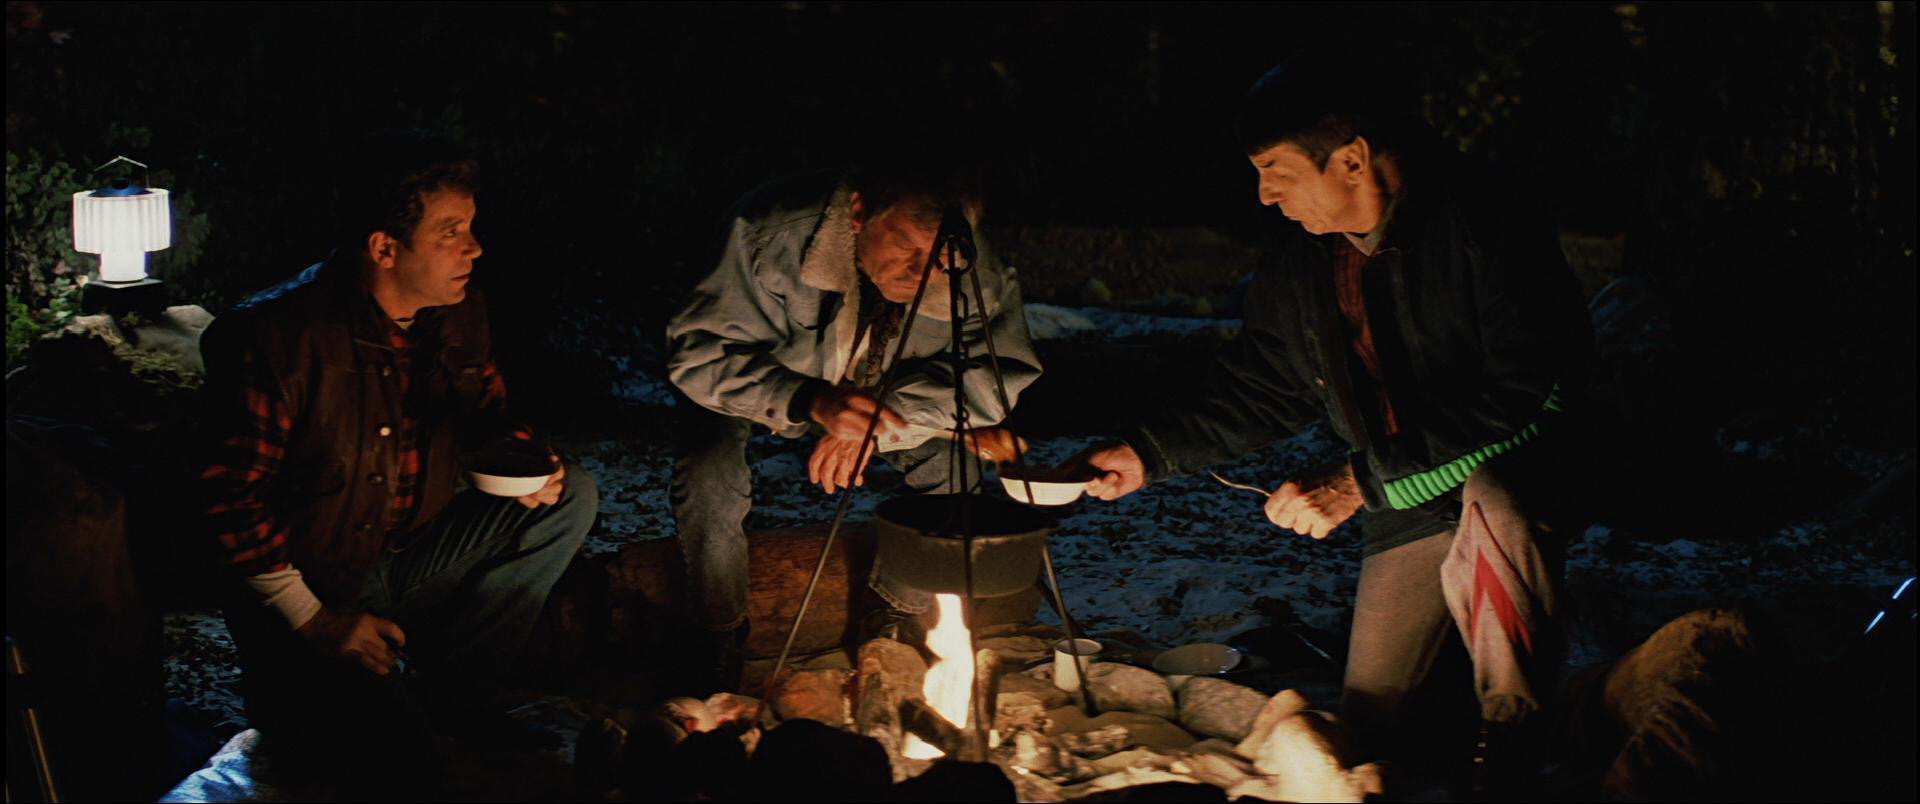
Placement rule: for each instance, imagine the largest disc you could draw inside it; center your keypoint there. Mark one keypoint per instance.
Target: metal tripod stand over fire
(967, 545)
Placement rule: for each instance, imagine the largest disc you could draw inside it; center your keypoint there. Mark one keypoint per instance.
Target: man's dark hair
(385, 181)
(1316, 107)
(921, 188)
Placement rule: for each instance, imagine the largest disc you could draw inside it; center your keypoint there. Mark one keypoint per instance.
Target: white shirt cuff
(288, 594)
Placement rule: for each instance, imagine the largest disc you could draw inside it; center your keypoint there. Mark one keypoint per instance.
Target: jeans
(713, 490)
(466, 589)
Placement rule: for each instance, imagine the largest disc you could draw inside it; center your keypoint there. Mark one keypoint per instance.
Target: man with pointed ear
(1430, 317)
(340, 405)
(794, 332)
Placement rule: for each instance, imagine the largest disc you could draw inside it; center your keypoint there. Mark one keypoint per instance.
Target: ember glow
(949, 685)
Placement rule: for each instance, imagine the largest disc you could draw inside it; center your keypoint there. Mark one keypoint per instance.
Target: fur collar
(829, 266)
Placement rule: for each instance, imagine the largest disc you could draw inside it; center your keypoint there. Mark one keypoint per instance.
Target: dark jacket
(1484, 344)
(324, 343)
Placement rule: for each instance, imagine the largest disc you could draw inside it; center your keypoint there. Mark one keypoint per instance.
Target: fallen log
(647, 584)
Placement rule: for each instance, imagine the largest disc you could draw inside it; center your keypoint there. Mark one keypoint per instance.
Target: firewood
(888, 673)
(1097, 743)
(986, 697)
(1039, 755)
(922, 721)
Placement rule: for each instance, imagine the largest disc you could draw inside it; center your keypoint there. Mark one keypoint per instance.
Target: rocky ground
(1191, 560)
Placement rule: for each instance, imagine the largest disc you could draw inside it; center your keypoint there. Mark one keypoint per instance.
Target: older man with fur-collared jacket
(794, 331)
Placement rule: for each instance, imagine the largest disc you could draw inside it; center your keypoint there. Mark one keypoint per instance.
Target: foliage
(24, 324)
(42, 292)
(39, 235)
(44, 274)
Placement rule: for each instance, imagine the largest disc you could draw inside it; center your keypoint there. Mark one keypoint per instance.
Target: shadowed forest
(1733, 182)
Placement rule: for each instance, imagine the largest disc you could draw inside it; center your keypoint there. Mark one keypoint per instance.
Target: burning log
(986, 703)
(888, 673)
(922, 721)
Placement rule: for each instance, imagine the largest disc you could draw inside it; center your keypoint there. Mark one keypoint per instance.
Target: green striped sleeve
(1417, 489)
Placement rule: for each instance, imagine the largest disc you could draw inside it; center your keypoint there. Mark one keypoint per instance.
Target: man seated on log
(1434, 321)
(794, 332)
(340, 404)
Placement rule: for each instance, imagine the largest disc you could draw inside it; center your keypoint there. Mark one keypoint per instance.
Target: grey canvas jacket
(782, 308)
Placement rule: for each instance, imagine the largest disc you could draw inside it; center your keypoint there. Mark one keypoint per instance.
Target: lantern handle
(146, 176)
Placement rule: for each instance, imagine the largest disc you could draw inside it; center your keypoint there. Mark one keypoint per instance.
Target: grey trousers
(713, 491)
(1493, 579)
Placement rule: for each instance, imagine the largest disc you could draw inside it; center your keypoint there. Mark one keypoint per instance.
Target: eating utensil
(1232, 485)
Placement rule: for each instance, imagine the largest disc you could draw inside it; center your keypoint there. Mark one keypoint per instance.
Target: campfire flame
(949, 685)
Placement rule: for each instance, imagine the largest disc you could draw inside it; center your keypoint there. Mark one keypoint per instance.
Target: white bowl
(505, 486)
(1044, 492)
(1198, 659)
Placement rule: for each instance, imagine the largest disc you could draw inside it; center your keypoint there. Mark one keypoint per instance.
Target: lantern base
(115, 298)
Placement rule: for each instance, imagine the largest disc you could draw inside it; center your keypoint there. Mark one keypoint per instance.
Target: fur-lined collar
(829, 265)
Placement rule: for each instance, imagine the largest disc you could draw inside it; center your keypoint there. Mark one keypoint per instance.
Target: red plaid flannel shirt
(249, 457)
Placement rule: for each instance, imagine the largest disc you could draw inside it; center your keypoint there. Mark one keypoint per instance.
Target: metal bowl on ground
(1198, 659)
(923, 544)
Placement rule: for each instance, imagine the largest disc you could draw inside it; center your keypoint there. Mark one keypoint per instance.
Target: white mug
(1066, 674)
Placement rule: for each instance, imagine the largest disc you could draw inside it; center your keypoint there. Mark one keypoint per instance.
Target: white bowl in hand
(510, 468)
(1048, 487)
(508, 485)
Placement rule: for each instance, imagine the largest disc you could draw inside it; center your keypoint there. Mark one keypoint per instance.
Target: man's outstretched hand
(1317, 502)
(837, 463)
(355, 636)
(844, 411)
(1118, 470)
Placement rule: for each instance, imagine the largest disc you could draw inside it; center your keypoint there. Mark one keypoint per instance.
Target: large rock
(1124, 687)
(1040, 690)
(1219, 708)
(815, 695)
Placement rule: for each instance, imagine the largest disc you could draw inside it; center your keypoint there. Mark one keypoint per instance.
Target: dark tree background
(1752, 161)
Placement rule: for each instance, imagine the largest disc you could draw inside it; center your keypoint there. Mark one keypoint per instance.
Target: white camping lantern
(121, 222)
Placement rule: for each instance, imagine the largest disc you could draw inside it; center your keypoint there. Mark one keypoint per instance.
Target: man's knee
(710, 460)
(578, 488)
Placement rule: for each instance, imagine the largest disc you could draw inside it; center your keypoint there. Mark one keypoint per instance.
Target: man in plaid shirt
(339, 405)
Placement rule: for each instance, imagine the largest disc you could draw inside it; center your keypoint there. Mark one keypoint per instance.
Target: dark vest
(324, 342)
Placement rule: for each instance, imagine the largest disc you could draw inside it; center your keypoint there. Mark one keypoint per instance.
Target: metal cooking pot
(922, 543)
